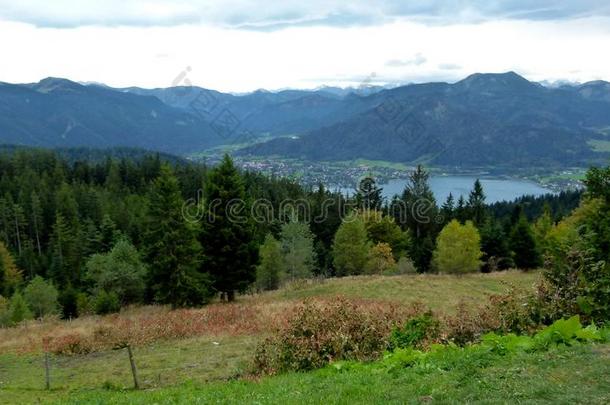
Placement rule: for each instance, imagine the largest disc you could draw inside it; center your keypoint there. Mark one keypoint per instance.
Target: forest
(85, 233)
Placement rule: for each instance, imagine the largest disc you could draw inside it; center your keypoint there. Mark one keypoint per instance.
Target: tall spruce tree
(421, 218)
(228, 231)
(368, 194)
(461, 213)
(171, 247)
(447, 209)
(477, 211)
(523, 245)
(494, 244)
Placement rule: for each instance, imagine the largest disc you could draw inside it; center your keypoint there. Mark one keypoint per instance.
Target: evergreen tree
(172, 250)
(64, 269)
(269, 271)
(523, 245)
(37, 221)
(108, 233)
(421, 219)
(369, 195)
(494, 244)
(461, 213)
(447, 209)
(476, 208)
(228, 232)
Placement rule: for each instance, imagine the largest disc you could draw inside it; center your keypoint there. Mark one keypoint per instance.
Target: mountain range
(483, 120)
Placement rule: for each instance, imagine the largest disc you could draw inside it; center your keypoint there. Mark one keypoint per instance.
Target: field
(188, 356)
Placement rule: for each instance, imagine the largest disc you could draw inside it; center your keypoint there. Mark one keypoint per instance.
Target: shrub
(41, 297)
(4, 311)
(106, 303)
(380, 259)
(417, 332)
(120, 271)
(19, 310)
(69, 344)
(404, 266)
(84, 304)
(319, 332)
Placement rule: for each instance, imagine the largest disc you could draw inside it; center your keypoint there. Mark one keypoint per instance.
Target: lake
(495, 189)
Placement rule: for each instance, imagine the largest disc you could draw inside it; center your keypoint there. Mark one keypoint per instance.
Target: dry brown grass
(254, 315)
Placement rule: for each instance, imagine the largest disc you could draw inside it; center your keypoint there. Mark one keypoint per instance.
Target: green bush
(4, 311)
(106, 303)
(415, 333)
(472, 357)
(18, 310)
(41, 297)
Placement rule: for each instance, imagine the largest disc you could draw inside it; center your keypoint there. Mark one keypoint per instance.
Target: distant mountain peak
(496, 81)
(50, 84)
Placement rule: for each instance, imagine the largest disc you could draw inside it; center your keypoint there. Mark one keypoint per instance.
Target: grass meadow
(204, 355)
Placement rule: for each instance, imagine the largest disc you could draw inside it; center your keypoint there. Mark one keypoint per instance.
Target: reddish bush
(320, 331)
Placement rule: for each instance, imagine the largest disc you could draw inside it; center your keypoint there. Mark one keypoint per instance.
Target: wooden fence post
(134, 371)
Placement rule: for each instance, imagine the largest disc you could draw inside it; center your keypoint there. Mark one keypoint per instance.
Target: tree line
(95, 235)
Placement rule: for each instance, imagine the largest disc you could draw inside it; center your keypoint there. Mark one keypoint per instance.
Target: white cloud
(272, 14)
(238, 60)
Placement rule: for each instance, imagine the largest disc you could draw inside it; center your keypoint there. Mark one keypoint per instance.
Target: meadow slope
(213, 343)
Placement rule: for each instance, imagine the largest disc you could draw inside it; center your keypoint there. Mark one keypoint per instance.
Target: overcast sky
(245, 45)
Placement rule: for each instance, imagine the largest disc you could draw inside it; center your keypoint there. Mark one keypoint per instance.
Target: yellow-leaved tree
(10, 275)
(458, 249)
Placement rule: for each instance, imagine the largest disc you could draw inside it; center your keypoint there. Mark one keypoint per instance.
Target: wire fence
(156, 365)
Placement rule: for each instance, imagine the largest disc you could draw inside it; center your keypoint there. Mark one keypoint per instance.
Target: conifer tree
(476, 205)
(494, 244)
(447, 209)
(228, 231)
(461, 213)
(62, 269)
(172, 250)
(422, 218)
(368, 194)
(523, 245)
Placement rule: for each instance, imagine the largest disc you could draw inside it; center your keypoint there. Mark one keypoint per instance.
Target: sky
(240, 46)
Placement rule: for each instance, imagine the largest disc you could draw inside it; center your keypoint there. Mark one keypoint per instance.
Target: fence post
(47, 376)
(134, 371)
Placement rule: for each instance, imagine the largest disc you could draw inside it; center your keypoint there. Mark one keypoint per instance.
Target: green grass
(162, 364)
(439, 292)
(165, 366)
(563, 375)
